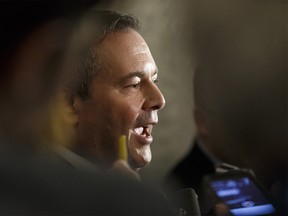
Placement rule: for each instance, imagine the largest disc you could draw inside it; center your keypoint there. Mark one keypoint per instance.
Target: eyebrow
(139, 74)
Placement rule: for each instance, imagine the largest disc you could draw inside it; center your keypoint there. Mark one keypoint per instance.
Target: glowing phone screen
(242, 196)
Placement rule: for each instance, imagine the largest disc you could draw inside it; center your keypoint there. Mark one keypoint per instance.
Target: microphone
(185, 203)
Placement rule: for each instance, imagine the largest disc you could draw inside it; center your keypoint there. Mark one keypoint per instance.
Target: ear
(69, 107)
(63, 118)
(202, 123)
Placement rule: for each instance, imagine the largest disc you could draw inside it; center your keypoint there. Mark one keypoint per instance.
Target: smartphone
(241, 192)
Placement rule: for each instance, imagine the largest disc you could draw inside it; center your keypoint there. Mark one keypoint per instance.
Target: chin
(140, 160)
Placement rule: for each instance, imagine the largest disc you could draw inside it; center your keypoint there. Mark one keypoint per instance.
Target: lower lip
(144, 140)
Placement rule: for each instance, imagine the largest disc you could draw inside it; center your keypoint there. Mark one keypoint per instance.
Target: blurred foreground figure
(34, 179)
(240, 89)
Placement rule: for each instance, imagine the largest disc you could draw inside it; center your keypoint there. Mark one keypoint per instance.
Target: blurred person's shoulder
(31, 184)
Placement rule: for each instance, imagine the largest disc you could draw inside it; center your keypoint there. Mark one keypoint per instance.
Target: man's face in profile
(124, 100)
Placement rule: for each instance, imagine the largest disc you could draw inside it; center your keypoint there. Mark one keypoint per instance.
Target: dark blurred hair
(92, 29)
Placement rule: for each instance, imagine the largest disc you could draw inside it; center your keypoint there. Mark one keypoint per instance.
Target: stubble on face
(117, 106)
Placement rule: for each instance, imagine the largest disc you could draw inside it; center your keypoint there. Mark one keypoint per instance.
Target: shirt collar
(75, 160)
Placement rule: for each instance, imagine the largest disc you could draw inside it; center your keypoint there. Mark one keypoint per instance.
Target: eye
(155, 80)
(133, 85)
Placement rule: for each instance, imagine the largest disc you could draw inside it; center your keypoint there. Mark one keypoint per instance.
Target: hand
(219, 210)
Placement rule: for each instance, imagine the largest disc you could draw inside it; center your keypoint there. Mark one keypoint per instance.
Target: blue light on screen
(255, 210)
(228, 192)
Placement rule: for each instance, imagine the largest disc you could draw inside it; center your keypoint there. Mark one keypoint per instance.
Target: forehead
(125, 51)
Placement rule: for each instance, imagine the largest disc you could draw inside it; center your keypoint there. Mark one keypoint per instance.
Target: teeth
(139, 130)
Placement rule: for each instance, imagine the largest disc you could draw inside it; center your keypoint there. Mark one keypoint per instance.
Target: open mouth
(142, 131)
(139, 146)
(143, 134)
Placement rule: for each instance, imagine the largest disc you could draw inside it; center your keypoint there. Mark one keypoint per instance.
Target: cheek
(127, 113)
(133, 106)
(90, 113)
(124, 113)
(116, 111)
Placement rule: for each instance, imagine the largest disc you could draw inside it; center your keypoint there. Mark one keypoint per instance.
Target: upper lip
(148, 125)
(148, 128)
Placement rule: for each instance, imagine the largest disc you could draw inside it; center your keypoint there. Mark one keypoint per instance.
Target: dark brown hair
(91, 30)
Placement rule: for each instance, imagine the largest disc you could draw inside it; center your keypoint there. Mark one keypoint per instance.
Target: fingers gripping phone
(241, 192)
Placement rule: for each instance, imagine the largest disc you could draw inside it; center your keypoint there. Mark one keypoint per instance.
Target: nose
(154, 98)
